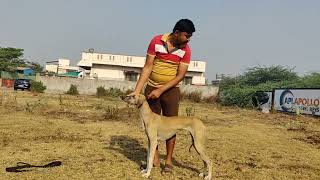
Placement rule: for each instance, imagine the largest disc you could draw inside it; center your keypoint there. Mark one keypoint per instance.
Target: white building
(123, 67)
(61, 66)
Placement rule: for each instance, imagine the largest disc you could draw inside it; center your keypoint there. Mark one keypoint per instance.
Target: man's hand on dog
(132, 94)
(154, 94)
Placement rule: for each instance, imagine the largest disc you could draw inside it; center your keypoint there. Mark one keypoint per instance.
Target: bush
(111, 113)
(194, 96)
(229, 82)
(211, 99)
(73, 90)
(237, 96)
(114, 92)
(101, 92)
(37, 86)
(190, 111)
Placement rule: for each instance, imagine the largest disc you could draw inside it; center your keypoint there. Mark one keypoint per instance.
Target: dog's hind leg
(206, 160)
(199, 141)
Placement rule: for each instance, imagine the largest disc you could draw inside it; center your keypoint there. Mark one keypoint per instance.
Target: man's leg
(170, 146)
(156, 160)
(170, 107)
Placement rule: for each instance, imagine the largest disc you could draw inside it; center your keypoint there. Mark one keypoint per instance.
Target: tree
(10, 59)
(36, 67)
(258, 75)
(311, 81)
(239, 90)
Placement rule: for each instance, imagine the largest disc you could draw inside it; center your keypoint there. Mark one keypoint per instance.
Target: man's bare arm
(146, 71)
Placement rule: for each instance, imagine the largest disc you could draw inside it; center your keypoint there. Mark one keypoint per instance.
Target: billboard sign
(306, 101)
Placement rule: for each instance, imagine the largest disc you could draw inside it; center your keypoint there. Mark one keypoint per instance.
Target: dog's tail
(192, 144)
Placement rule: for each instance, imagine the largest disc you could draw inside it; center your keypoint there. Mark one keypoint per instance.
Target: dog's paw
(205, 177)
(145, 173)
(201, 175)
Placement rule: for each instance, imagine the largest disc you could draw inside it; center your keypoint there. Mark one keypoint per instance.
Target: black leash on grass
(21, 166)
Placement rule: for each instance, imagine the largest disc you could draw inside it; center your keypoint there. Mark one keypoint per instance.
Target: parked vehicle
(22, 84)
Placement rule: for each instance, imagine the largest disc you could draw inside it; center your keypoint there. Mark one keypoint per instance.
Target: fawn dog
(159, 127)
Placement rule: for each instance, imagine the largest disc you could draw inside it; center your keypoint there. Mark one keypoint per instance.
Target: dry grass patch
(243, 144)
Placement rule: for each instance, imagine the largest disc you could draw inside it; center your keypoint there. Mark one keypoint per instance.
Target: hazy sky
(231, 35)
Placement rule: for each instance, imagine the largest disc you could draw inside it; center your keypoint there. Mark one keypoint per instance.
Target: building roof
(22, 68)
(69, 74)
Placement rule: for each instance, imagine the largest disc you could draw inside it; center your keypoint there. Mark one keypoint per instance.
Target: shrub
(111, 113)
(37, 86)
(101, 92)
(194, 96)
(229, 82)
(73, 90)
(211, 99)
(237, 96)
(190, 111)
(114, 92)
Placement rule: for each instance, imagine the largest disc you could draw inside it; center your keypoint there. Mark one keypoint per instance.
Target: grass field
(103, 139)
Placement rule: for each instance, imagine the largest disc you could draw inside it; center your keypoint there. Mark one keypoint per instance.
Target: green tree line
(238, 90)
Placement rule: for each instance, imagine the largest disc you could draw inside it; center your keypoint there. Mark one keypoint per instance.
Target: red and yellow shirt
(165, 64)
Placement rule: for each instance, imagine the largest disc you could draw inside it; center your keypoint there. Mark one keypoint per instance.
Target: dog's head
(136, 100)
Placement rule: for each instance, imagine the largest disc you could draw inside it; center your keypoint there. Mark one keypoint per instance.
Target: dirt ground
(103, 139)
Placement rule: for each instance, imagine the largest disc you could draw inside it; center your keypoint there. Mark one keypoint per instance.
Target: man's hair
(184, 25)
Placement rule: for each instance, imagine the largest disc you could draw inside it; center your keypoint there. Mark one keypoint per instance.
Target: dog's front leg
(152, 148)
(143, 171)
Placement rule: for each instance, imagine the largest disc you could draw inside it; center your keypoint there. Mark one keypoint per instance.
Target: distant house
(25, 71)
(60, 66)
(125, 67)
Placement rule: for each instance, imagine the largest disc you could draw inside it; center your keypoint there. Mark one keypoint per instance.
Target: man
(168, 57)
